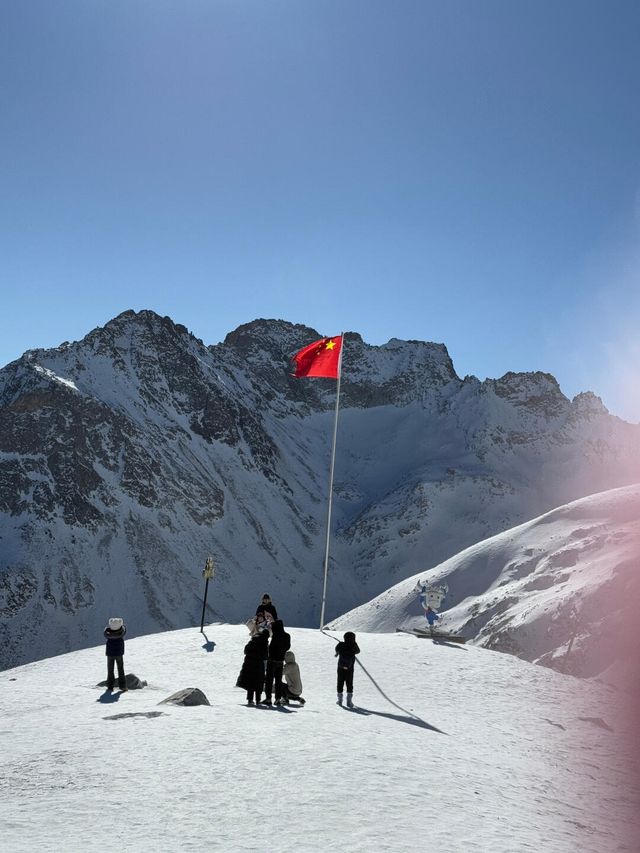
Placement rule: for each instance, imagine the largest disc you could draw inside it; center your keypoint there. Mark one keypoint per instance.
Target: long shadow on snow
(149, 715)
(411, 719)
(437, 642)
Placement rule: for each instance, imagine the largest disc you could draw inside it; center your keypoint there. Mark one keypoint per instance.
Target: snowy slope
(470, 751)
(522, 590)
(129, 457)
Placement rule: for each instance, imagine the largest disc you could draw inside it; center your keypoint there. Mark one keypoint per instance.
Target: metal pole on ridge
(331, 470)
(207, 574)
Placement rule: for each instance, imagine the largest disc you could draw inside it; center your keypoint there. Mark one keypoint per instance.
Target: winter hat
(349, 636)
(115, 623)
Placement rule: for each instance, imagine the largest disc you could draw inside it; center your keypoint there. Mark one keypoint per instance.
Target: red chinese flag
(321, 358)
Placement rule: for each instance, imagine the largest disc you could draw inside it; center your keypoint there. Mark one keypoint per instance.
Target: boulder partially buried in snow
(189, 696)
(132, 681)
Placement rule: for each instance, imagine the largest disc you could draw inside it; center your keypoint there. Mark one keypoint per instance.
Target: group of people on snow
(269, 664)
(268, 660)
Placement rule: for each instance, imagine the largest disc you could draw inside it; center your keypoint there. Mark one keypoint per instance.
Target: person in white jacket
(293, 682)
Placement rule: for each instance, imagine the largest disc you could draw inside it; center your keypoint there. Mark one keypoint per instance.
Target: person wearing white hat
(114, 633)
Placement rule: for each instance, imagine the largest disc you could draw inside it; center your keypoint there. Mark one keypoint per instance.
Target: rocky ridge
(128, 457)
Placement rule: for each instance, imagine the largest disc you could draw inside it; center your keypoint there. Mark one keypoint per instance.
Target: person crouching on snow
(292, 691)
(346, 652)
(114, 633)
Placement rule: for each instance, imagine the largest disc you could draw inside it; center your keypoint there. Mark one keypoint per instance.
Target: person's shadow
(108, 697)
(412, 720)
(209, 645)
(437, 642)
(407, 716)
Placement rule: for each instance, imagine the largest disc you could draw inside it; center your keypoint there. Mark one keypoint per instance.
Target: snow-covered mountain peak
(138, 324)
(396, 372)
(423, 350)
(130, 456)
(538, 392)
(133, 338)
(270, 336)
(587, 404)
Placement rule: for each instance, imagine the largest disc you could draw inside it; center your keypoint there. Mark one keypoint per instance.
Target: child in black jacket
(114, 633)
(346, 652)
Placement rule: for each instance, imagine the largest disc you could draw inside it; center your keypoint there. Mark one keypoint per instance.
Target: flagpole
(331, 470)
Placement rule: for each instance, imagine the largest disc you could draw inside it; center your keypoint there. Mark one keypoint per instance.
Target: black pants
(110, 676)
(345, 676)
(254, 689)
(274, 673)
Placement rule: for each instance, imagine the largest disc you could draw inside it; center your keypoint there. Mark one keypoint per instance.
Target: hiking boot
(339, 700)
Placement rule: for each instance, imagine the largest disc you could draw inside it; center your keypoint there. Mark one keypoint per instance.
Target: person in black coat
(114, 635)
(251, 676)
(346, 652)
(280, 643)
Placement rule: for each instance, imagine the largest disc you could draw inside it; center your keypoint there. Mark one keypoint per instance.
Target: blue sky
(459, 171)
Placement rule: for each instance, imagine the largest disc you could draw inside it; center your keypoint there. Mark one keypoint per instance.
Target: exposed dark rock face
(130, 456)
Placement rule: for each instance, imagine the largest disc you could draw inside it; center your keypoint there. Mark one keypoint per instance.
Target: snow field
(472, 751)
